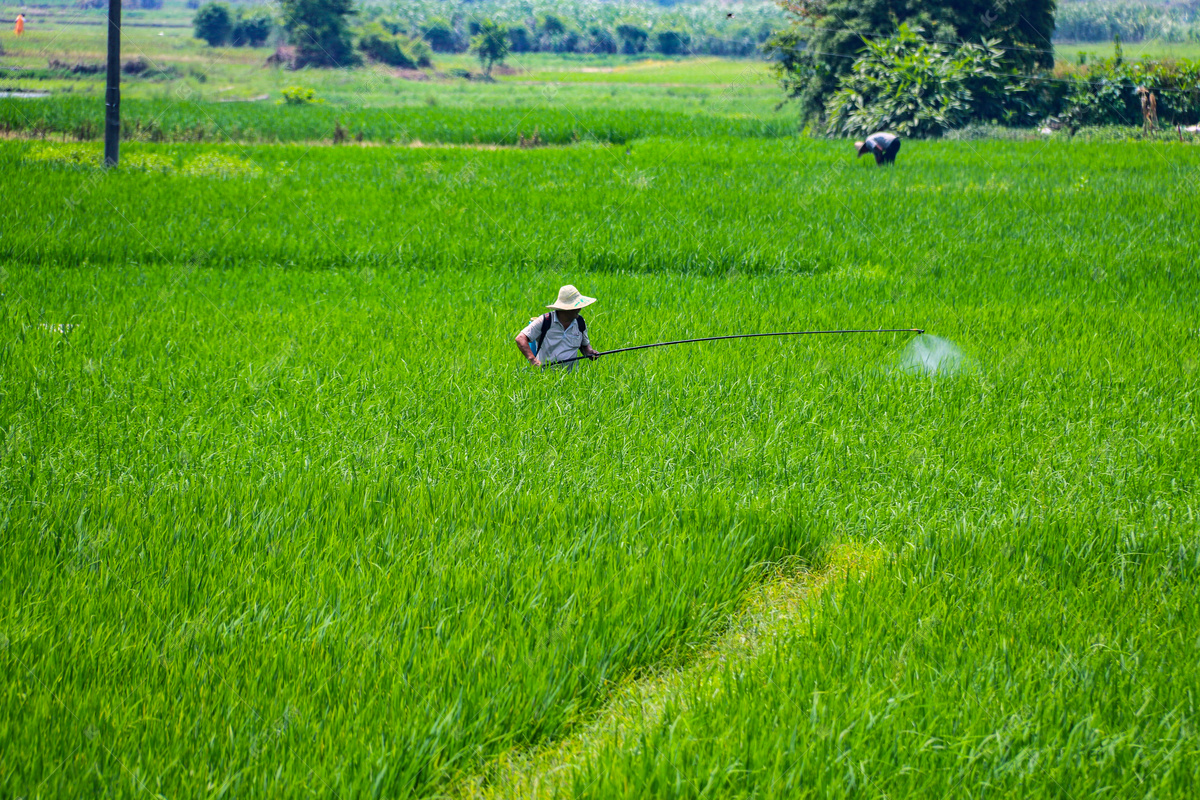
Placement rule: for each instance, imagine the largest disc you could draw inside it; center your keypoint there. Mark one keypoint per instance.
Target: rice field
(284, 512)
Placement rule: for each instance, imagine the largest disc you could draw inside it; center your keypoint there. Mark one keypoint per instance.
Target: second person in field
(558, 335)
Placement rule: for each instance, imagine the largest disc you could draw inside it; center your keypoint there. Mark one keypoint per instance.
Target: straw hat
(860, 147)
(569, 299)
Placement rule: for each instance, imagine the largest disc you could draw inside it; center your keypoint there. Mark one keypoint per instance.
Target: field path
(776, 607)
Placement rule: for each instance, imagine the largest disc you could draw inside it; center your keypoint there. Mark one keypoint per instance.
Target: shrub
(440, 35)
(601, 40)
(1106, 94)
(908, 85)
(213, 23)
(825, 37)
(633, 38)
(671, 42)
(252, 30)
(320, 31)
(553, 25)
(519, 39)
(299, 96)
(380, 45)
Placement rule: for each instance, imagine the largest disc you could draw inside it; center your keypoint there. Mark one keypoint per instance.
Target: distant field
(566, 98)
(1068, 52)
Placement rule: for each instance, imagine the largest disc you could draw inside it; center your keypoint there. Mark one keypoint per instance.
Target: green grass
(561, 117)
(709, 206)
(284, 513)
(1067, 52)
(1017, 658)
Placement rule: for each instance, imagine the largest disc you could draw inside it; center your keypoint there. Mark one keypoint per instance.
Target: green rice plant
(284, 511)
(558, 123)
(220, 165)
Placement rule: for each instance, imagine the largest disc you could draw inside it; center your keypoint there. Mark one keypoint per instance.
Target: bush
(320, 32)
(570, 42)
(633, 38)
(142, 68)
(519, 40)
(553, 25)
(252, 30)
(671, 42)
(1106, 94)
(299, 96)
(213, 23)
(826, 36)
(440, 35)
(380, 45)
(908, 85)
(601, 40)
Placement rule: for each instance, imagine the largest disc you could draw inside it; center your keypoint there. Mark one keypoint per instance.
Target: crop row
(169, 120)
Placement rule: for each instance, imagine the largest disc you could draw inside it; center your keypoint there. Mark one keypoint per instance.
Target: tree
(826, 36)
(601, 40)
(440, 35)
(672, 42)
(908, 85)
(633, 38)
(518, 37)
(553, 25)
(213, 23)
(490, 45)
(320, 32)
(252, 30)
(381, 45)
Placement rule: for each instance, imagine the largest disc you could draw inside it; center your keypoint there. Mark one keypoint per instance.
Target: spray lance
(745, 336)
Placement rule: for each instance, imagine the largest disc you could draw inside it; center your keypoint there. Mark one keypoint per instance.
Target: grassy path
(776, 607)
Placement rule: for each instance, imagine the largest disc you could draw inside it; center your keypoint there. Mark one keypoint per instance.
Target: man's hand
(523, 345)
(592, 353)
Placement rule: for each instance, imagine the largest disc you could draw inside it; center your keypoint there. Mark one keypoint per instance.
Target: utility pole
(112, 93)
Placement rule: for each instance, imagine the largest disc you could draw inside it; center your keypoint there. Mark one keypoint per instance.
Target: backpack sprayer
(743, 336)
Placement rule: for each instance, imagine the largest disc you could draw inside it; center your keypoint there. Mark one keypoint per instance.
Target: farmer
(883, 146)
(556, 336)
(20, 26)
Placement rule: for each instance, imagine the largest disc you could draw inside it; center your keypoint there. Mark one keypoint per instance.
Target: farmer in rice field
(20, 26)
(556, 336)
(883, 146)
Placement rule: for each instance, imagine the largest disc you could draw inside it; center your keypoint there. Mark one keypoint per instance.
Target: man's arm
(586, 348)
(523, 346)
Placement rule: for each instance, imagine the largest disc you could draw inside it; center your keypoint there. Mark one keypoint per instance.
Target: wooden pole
(112, 93)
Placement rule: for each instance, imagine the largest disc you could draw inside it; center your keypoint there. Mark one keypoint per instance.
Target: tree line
(857, 66)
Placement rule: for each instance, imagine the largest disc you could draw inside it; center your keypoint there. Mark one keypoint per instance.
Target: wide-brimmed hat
(569, 299)
(860, 147)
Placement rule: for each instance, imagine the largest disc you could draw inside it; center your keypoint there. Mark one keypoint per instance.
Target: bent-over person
(883, 146)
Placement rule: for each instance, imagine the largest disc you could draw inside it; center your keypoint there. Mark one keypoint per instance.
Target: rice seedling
(284, 513)
(561, 119)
